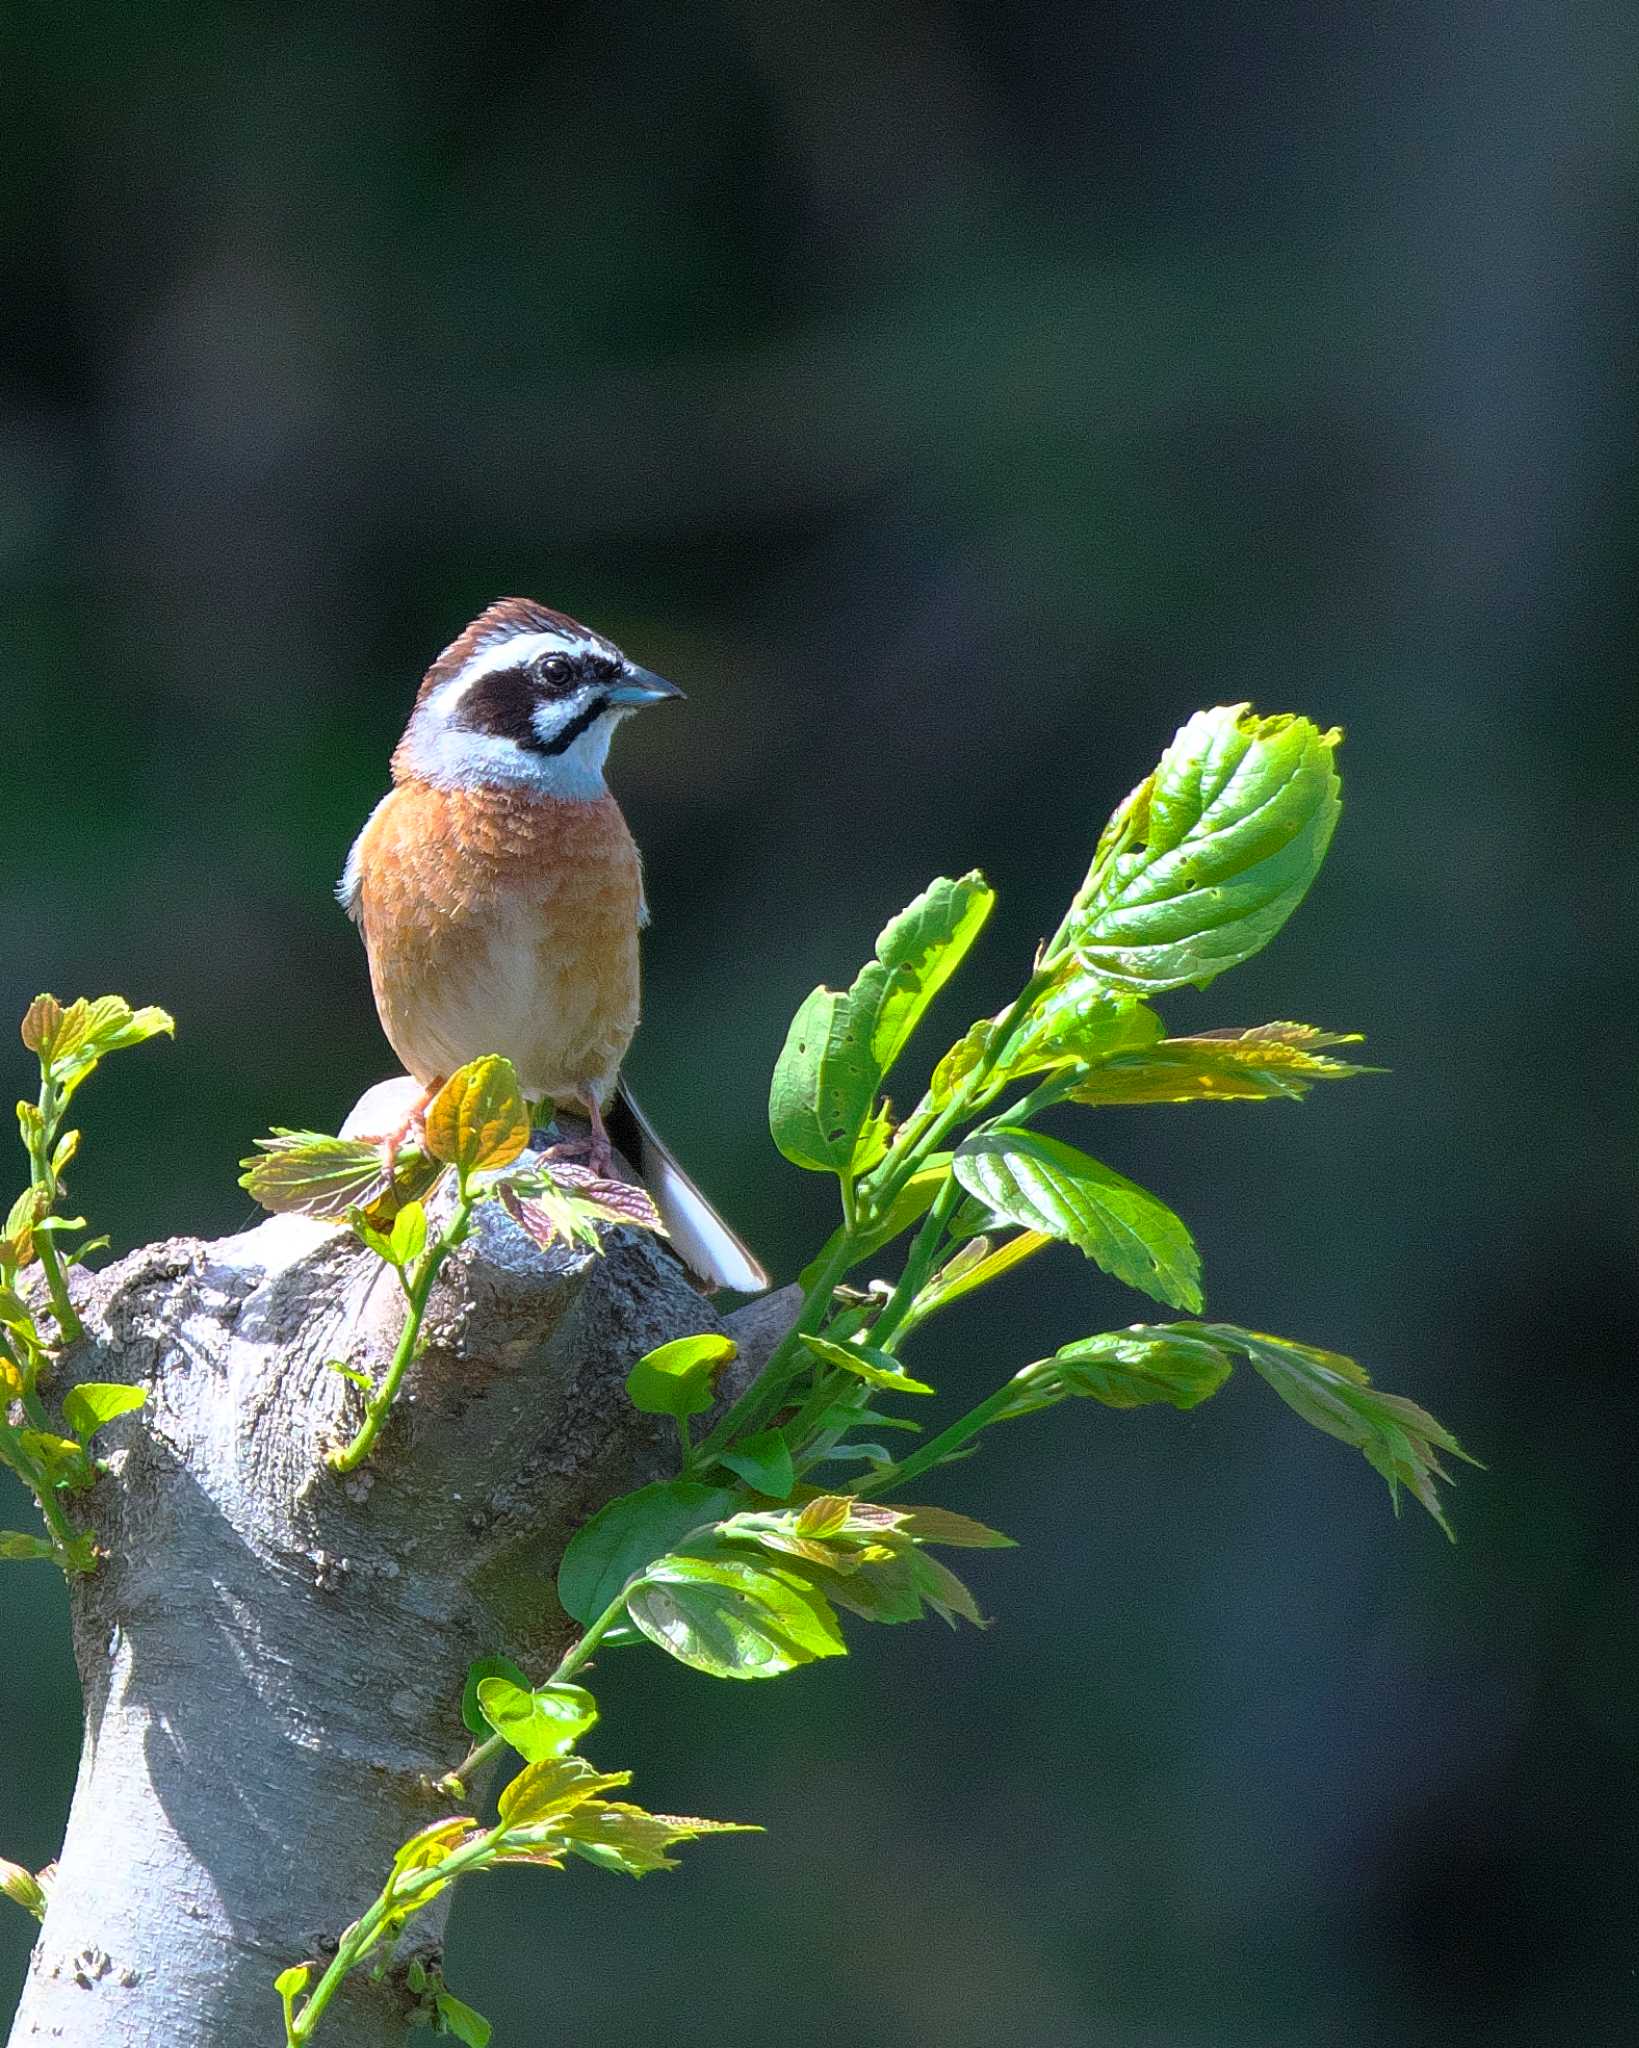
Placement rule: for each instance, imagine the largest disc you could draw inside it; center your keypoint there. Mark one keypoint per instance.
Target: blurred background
(951, 397)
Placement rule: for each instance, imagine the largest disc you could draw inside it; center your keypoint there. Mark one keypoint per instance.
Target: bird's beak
(642, 686)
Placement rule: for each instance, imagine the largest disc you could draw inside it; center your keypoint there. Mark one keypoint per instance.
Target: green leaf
(1078, 1022)
(352, 1373)
(538, 1725)
(1224, 1066)
(895, 1582)
(1126, 1369)
(542, 1792)
(916, 954)
(461, 2021)
(859, 1554)
(734, 1618)
(15, 1313)
(408, 1238)
(70, 1042)
(629, 1533)
(478, 1120)
(962, 1060)
(1050, 1187)
(676, 1378)
(1399, 1440)
(627, 1840)
(588, 1196)
(113, 1026)
(824, 1084)
(94, 1403)
(764, 1463)
(426, 1850)
(943, 1525)
(293, 1982)
(822, 1106)
(305, 1173)
(975, 1265)
(1206, 860)
(60, 1458)
(14, 1544)
(847, 1416)
(877, 1368)
(472, 1715)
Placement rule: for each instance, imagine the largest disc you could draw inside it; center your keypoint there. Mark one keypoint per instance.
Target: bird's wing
(705, 1243)
(350, 889)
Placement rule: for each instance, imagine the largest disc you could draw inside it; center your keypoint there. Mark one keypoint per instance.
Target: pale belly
(540, 966)
(564, 1023)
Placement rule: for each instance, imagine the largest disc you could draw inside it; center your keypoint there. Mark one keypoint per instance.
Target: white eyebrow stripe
(515, 651)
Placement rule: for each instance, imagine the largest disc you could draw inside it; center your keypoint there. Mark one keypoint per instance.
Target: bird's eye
(556, 670)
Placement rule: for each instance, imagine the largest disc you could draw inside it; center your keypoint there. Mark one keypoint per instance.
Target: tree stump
(273, 1655)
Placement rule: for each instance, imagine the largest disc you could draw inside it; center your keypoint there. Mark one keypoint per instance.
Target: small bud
(24, 1887)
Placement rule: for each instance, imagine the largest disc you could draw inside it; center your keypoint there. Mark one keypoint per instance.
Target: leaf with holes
(916, 954)
(824, 1087)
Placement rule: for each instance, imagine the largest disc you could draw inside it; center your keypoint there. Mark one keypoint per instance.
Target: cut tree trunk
(273, 1656)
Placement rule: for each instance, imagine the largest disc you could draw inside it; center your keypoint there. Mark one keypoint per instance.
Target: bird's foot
(413, 1126)
(594, 1148)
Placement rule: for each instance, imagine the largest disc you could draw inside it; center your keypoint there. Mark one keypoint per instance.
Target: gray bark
(272, 1656)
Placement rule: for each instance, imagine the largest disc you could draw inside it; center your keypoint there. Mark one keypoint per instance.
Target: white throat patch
(439, 749)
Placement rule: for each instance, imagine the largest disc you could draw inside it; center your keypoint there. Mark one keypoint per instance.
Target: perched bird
(501, 895)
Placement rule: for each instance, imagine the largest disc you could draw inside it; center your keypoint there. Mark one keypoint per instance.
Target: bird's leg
(392, 1142)
(595, 1149)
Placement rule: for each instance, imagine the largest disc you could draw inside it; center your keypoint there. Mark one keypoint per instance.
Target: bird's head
(525, 698)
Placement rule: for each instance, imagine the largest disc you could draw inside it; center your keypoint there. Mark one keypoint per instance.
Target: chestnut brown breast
(501, 921)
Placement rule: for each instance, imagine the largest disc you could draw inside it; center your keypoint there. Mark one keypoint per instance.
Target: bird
(500, 895)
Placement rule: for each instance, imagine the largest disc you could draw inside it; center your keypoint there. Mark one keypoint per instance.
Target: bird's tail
(707, 1246)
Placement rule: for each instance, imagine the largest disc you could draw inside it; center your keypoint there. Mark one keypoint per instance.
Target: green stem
(829, 1390)
(887, 1329)
(940, 1448)
(70, 1542)
(363, 1935)
(761, 1397)
(568, 1664)
(69, 1327)
(409, 1342)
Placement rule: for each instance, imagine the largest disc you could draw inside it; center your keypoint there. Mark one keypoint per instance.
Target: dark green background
(951, 398)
